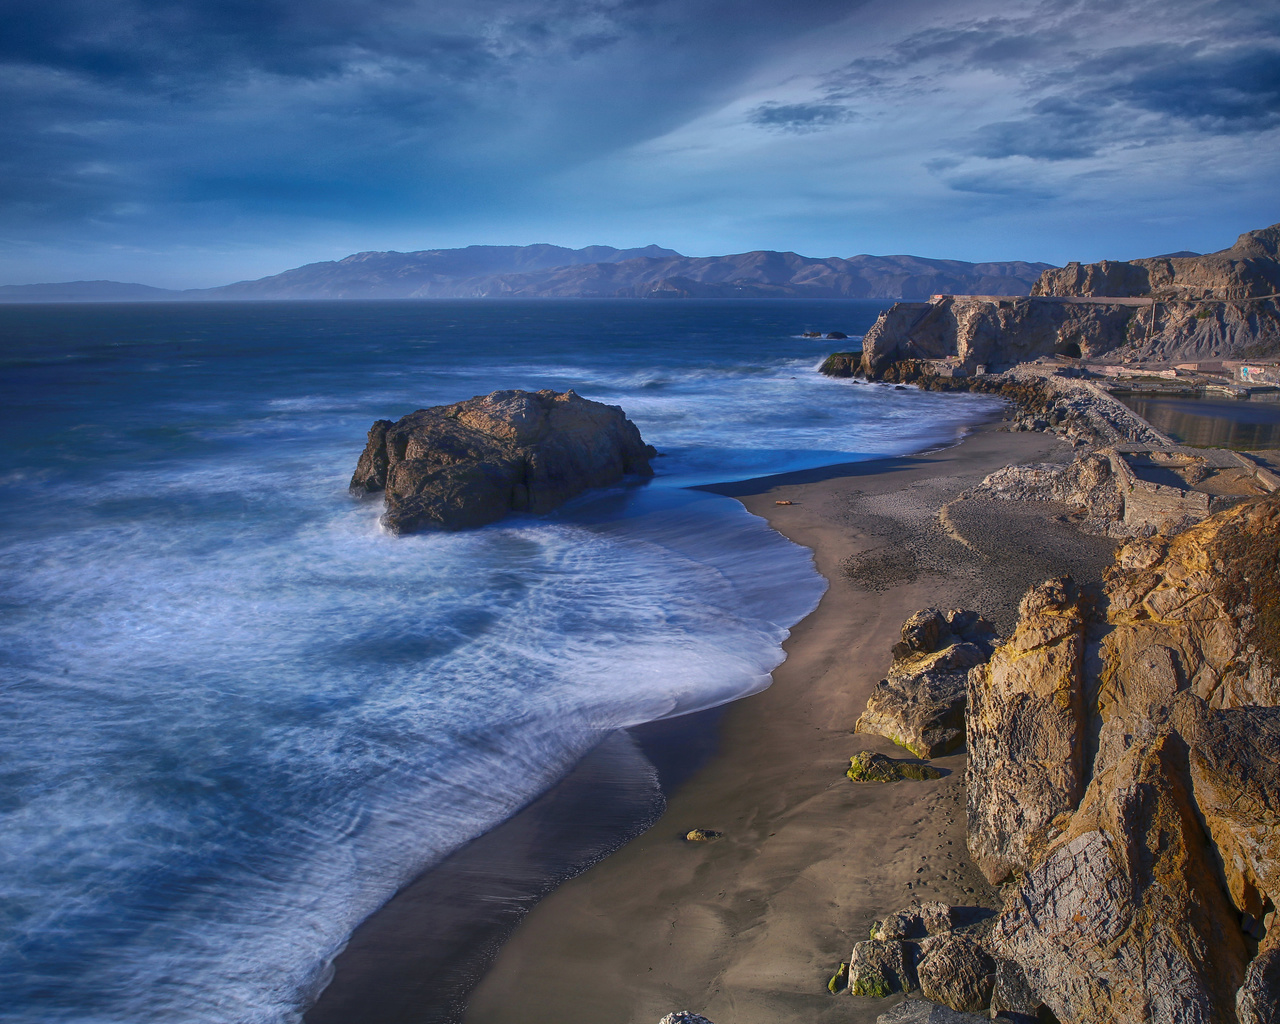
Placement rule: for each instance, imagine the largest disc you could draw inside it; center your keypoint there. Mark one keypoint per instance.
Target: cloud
(800, 117)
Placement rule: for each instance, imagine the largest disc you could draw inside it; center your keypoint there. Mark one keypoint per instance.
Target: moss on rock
(869, 766)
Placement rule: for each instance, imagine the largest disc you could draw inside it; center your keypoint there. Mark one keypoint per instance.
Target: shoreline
(749, 928)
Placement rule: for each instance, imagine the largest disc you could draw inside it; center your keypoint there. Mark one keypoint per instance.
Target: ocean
(238, 716)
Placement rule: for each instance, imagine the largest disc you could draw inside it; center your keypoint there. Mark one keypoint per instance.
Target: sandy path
(748, 929)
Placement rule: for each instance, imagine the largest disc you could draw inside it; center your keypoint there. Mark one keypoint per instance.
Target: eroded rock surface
(880, 967)
(1122, 918)
(1258, 1001)
(956, 972)
(1026, 727)
(1142, 896)
(920, 705)
(453, 467)
(1249, 269)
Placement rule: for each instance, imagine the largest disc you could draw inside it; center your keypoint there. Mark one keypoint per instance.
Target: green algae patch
(869, 766)
(870, 985)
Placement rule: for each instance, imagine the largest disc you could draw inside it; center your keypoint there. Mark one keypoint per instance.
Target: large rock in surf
(453, 467)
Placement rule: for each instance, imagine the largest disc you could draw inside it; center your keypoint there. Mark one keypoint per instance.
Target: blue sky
(195, 142)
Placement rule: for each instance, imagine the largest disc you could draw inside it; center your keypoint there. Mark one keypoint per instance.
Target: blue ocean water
(237, 716)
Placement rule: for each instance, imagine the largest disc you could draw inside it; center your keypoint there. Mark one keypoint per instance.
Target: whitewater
(238, 716)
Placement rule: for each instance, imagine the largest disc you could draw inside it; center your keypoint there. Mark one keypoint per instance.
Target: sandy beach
(748, 929)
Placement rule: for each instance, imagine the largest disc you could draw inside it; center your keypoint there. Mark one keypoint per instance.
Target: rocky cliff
(1224, 305)
(452, 467)
(1123, 772)
(1249, 269)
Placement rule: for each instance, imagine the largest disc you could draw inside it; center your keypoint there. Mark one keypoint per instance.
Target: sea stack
(455, 467)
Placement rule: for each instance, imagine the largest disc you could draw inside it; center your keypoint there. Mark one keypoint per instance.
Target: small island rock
(454, 467)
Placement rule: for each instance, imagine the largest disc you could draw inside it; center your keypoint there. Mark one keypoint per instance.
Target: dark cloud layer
(158, 123)
(341, 106)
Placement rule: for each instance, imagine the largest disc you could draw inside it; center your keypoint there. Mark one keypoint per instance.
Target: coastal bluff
(1224, 305)
(455, 467)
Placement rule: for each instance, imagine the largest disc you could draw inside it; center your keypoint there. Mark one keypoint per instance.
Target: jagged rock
(955, 971)
(880, 968)
(1238, 316)
(869, 766)
(917, 1011)
(1122, 920)
(1235, 779)
(1258, 1001)
(1209, 596)
(1025, 722)
(936, 917)
(896, 927)
(453, 467)
(1011, 996)
(917, 921)
(840, 979)
(841, 364)
(684, 1017)
(920, 705)
(1248, 269)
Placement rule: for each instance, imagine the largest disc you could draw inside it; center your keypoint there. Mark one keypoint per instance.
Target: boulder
(836, 336)
(454, 467)
(842, 364)
(920, 704)
(880, 968)
(1026, 730)
(684, 1017)
(1122, 920)
(917, 1011)
(915, 922)
(1258, 1001)
(955, 971)
(702, 835)
(869, 766)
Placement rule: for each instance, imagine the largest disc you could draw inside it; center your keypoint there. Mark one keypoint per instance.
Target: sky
(187, 143)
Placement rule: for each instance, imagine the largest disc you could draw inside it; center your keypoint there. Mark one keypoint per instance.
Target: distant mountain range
(598, 271)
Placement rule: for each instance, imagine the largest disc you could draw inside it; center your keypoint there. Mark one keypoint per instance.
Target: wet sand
(748, 929)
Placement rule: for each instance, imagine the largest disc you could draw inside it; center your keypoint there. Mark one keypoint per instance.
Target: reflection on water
(1212, 422)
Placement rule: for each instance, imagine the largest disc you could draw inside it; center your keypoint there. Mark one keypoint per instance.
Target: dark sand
(747, 930)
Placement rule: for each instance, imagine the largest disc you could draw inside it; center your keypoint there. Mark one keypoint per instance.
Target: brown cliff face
(453, 467)
(1249, 269)
(1025, 723)
(1144, 734)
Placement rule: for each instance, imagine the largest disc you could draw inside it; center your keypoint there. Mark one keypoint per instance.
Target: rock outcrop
(1249, 269)
(453, 467)
(1224, 305)
(1123, 768)
(1026, 730)
(920, 705)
